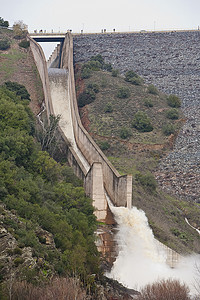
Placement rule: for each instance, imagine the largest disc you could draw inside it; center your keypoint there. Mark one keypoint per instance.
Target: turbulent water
(141, 260)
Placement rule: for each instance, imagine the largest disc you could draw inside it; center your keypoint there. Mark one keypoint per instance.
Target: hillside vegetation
(136, 125)
(47, 223)
(45, 198)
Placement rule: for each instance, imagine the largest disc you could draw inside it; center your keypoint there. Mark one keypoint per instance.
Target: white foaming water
(141, 260)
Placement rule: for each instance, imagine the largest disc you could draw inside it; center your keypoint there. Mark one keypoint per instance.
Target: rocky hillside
(169, 60)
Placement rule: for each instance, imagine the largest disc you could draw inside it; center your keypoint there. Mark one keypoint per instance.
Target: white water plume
(141, 259)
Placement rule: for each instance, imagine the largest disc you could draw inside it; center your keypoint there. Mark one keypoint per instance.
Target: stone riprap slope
(171, 61)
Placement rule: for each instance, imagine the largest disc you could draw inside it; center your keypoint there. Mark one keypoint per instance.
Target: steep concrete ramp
(58, 80)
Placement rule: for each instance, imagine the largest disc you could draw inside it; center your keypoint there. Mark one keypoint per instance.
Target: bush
(94, 87)
(152, 89)
(3, 23)
(107, 67)
(104, 146)
(129, 75)
(123, 92)
(168, 129)
(87, 97)
(148, 102)
(165, 290)
(115, 72)
(108, 108)
(136, 80)
(18, 261)
(19, 89)
(24, 44)
(146, 180)
(20, 30)
(94, 65)
(98, 58)
(125, 133)
(4, 44)
(142, 122)
(133, 78)
(174, 101)
(17, 251)
(172, 114)
(86, 73)
(57, 288)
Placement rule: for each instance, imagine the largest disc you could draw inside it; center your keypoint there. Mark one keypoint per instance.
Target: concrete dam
(102, 182)
(101, 179)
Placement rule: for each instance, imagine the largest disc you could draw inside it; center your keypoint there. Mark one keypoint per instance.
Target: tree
(20, 30)
(3, 23)
(142, 122)
(47, 136)
(133, 78)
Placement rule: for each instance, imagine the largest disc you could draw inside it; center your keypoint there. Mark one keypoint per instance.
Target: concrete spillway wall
(40, 61)
(102, 178)
(119, 188)
(54, 57)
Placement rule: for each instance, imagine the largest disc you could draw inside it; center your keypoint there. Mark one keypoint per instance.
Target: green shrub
(148, 102)
(147, 180)
(98, 58)
(87, 97)
(172, 114)
(129, 75)
(107, 67)
(4, 44)
(136, 80)
(104, 146)
(152, 89)
(17, 251)
(94, 65)
(174, 101)
(133, 78)
(142, 122)
(168, 129)
(86, 73)
(19, 89)
(125, 133)
(18, 261)
(103, 82)
(123, 92)
(108, 108)
(115, 72)
(24, 44)
(94, 87)
(3, 23)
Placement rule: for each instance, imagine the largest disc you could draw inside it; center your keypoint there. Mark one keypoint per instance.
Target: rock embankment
(171, 61)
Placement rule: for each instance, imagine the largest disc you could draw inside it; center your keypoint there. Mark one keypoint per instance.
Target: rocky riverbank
(170, 61)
